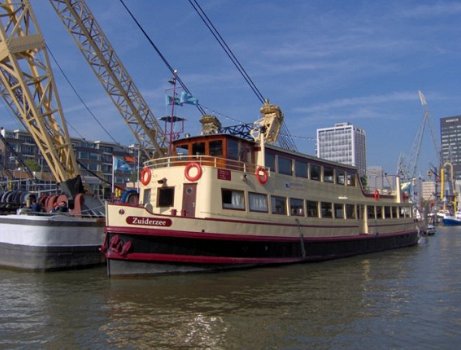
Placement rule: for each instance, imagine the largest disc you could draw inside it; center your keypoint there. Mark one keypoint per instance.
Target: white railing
(215, 162)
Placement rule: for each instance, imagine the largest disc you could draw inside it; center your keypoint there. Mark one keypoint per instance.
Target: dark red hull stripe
(160, 232)
(192, 259)
(218, 251)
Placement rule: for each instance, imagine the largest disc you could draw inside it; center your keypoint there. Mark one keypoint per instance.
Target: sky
(322, 61)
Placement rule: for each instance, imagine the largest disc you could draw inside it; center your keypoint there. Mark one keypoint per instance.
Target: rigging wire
(172, 70)
(80, 98)
(226, 48)
(286, 140)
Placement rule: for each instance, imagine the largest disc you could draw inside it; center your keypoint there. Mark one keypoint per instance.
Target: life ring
(145, 176)
(376, 195)
(261, 175)
(195, 177)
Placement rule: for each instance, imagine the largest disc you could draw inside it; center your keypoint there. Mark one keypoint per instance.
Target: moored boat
(47, 240)
(50, 242)
(450, 220)
(223, 201)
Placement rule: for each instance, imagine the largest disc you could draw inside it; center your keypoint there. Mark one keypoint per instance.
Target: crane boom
(28, 88)
(408, 169)
(97, 50)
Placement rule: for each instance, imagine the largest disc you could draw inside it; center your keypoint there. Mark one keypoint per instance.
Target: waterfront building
(450, 136)
(428, 190)
(95, 160)
(375, 178)
(343, 143)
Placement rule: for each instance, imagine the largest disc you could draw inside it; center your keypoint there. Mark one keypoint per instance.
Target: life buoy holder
(187, 171)
(145, 176)
(261, 175)
(376, 195)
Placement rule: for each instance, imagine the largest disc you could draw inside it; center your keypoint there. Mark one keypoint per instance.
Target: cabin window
(350, 180)
(232, 199)
(182, 150)
(270, 161)
(387, 212)
(314, 172)
(326, 210)
(279, 205)
(146, 196)
(165, 196)
(339, 211)
(312, 208)
(379, 212)
(350, 211)
(340, 177)
(257, 202)
(245, 153)
(216, 149)
(232, 149)
(198, 148)
(371, 212)
(300, 168)
(405, 212)
(285, 166)
(394, 212)
(296, 207)
(328, 174)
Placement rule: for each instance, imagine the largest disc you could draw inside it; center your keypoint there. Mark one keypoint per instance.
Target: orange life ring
(261, 175)
(376, 195)
(195, 177)
(145, 176)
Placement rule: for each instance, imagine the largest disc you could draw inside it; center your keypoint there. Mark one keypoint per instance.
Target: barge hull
(49, 258)
(50, 242)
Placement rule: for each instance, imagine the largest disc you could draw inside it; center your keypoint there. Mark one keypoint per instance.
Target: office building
(450, 136)
(343, 143)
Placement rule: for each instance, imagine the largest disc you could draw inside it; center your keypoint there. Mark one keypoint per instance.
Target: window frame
(256, 194)
(223, 204)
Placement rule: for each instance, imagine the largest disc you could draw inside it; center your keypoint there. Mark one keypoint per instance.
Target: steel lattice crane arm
(28, 88)
(97, 50)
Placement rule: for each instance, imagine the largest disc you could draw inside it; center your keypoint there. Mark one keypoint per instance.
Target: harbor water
(404, 299)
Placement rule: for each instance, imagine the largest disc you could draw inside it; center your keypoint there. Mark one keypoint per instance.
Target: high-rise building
(343, 143)
(450, 136)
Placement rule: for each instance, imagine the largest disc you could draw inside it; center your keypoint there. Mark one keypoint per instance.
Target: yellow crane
(109, 69)
(28, 88)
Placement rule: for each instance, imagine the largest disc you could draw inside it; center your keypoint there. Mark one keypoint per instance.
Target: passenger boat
(46, 241)
(222, 201)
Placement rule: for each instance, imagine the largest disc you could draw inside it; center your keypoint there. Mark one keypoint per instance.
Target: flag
(169, 100)
(119, 164)
(188, 98)
(129, 159)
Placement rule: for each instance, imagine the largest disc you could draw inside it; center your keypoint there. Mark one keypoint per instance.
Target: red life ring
(195, 177)
(376, 195)
(145, 176)
(261, 175)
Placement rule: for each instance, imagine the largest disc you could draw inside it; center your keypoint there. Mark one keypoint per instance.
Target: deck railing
(215, 162)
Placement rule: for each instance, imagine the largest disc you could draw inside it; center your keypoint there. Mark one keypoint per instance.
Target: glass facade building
(343, 143)
(450, 136)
